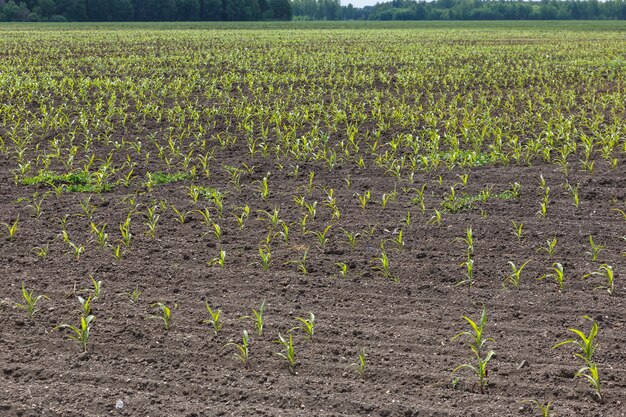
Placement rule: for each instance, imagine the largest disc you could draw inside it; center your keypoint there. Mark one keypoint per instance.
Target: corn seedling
(244, 215)
(272, 217)
(517, 228)
(86, 305)
(399, 240)
(97, 287)
(289, 353)
(360, 363)
(549, 248)
(36, 206)
(469, 240)
(308, 325)
(100, 233)
(243, 349)
(42, 251)
(595, 249)
(220, 260)
(514, 277)
(383, 265)
(284, 233)
(263, 185)
(266, 257)
(543, 408)
(125, 232)
(364, 198)
(134, 295)
(575, 194)
(181, 215)
(13, 227)
(77, 250)
(151, 221)
(476, 342)
(165, 314)
(343, 268)
(587, 347)
(322, 236)
(605, 271)
(557, 275)
(257, 317)
(215, 319)
(468, 264)
(351, 237)
(620, 211)
(30, 301)
(117, 251)
(436, 218)
(87, 207)
(81, 334)
(301, 263)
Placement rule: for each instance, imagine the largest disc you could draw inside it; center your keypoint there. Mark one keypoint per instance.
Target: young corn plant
(352, 238)
(514, 277)
(266, 257)
(543, 408)
(245, 213)
(549, 248)
(125, 232)
(360, 363)
(436, 219)
(307, 326)
(257, 317)
(181, 215)
(301, 263)
(574, 191)
(100, 233)
(469, 241)
(556, 274)
(97, 287)
(587, 347)
(322, 236)
(383, 265)
(152, 217)
(364, 199)
(468, 264)
(42, 251)
(12, 228)
(81, 333)
(220, 260)
(343, 268)
(605, 271)
(288, 353)
(134, 295)
(243, 349)
(215, 319)
(517, 228)
(30, 301)
(86, 305)
(263, 187)
(476, 341)
(595, 249)
(164, 314)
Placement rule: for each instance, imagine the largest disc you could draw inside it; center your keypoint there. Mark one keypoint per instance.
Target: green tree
(187, 10)
(281, 9)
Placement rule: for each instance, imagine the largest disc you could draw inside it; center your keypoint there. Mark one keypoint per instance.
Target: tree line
(498, 10)
(144, 10)
(247, 10)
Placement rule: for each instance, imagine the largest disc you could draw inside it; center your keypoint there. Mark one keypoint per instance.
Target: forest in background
(266, 10)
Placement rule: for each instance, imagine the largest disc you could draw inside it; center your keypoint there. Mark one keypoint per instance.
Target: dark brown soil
(405, 327)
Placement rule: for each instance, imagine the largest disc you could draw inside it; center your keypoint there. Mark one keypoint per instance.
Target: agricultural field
(296, 220)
